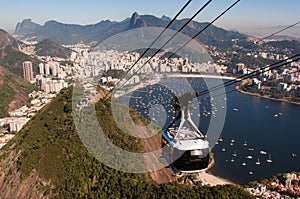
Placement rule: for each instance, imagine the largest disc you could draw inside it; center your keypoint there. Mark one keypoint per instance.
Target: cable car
(185, 148)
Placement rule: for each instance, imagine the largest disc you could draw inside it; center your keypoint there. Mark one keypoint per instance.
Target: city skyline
(267, 13)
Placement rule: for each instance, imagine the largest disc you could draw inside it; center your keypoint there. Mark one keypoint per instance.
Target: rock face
(26, 26)
(136, 21)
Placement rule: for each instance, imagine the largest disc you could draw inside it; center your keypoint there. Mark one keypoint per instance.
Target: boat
(244, 163)
(294, 155)
(250, 172)
(231, 143)
(263, 152)
(257, 162)
(245, 143)
(236, 109)
(223, 149)
(234, 154)
(249, 157)
(269, 160)
(276, 115)
(220, 139)
(232, 140)
(251, 149)
(232, 160)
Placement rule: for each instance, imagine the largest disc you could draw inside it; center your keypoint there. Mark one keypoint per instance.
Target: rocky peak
(136, 21)
(26, 26)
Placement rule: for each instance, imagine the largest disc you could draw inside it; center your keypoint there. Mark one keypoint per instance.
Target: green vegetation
(50, 145)
(13, 88)
(14, 59)
(6, 96)
(52, 49)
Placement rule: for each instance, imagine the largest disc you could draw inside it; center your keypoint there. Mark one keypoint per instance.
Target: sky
(247, 15)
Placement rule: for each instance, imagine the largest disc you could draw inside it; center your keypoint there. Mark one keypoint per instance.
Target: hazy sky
(247, 14)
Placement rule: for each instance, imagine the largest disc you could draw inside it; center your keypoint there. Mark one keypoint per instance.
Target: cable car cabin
(185, 150)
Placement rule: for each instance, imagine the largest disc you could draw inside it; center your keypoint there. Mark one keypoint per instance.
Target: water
(278, 136)
(254, 122)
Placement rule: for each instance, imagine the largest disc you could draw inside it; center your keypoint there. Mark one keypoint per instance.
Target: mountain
(11, 57)
(70, 34)
(26, 26)
(47, 159)
(13, 91)
(47, 47)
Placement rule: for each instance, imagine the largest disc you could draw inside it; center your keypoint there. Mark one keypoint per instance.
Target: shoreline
(266, 97)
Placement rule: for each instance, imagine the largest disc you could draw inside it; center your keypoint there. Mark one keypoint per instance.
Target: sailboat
(234, 154)
(244, 163)
(269, 160)
(258, 162)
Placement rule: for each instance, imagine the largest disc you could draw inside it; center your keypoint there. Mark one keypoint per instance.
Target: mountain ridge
(72, 33)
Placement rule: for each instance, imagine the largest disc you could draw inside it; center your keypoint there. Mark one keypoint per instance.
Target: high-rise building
(41, 68)
(47, 70)
(27, 71)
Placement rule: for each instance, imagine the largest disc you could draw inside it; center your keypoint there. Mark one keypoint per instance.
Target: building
(256, 83)
(27, 71)
(282, 87)
(239, 67)
(41, 68)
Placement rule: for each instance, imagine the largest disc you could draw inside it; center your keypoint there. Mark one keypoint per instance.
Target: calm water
(254, 122)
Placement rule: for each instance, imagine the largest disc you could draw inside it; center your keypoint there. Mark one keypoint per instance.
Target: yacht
(269, 160)
(257, 162)
(234, 154)
(263, 152)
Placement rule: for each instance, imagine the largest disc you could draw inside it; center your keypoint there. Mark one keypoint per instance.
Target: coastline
(266, 97)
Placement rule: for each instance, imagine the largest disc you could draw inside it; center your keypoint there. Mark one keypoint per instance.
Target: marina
(251, 133)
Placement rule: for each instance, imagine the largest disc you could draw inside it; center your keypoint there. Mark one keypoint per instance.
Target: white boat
(232, 160)
(236, 109)
(276, 115)
(220, 139)
(234, 154)
(269, 160)
(250, 172)
(294, 155)
(257, 162)
(244, 163)
(250, 149)
(223, 149)
(232, 140)
(245, 143)
(231, 143)
(263, 152)
(249, 157)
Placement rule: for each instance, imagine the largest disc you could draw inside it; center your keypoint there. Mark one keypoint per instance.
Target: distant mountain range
(70, 34)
